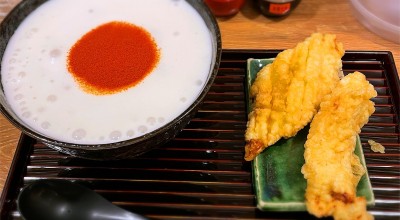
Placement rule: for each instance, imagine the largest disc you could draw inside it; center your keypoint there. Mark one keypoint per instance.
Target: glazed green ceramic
(278, 181)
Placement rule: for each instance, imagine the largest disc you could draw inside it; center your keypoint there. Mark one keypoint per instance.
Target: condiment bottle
(276, 8)
(222, 8)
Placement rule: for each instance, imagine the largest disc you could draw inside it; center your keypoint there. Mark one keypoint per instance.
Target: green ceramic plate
(278, 181)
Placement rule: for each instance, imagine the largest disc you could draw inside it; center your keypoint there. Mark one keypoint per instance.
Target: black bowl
(123, 149)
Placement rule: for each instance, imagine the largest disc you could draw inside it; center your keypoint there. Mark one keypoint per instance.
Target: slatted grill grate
(201, 173)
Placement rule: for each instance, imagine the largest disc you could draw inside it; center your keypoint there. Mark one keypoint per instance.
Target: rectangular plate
(201, 173)
(278, 181)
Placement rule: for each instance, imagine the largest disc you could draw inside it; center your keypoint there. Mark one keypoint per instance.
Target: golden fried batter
(376, 147)
(331, 168)
(286, 94)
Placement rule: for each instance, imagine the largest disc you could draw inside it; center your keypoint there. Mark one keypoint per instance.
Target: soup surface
(44, 93)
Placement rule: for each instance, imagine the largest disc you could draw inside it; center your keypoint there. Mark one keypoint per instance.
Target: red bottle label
(279, 9)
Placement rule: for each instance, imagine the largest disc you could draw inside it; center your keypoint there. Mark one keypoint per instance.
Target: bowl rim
(375, 23)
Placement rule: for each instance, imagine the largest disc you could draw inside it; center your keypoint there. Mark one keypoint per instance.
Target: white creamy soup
(44, 94)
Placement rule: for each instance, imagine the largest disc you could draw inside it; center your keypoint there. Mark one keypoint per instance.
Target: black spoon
(62, 199)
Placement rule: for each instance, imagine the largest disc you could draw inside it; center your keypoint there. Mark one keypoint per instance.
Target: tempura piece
(331, 168)
(286, 94)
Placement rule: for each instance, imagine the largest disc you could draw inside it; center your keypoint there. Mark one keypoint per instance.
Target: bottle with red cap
(222, 8)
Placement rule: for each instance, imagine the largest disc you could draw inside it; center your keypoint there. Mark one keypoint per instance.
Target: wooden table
(251, 30)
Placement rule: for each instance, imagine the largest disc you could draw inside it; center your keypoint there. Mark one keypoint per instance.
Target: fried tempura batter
(331, 168)
(376, 147)
(287, 93)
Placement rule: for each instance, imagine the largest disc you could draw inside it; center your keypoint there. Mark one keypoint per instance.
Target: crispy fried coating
(286, 93)
(376, 147)
(331, 168)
